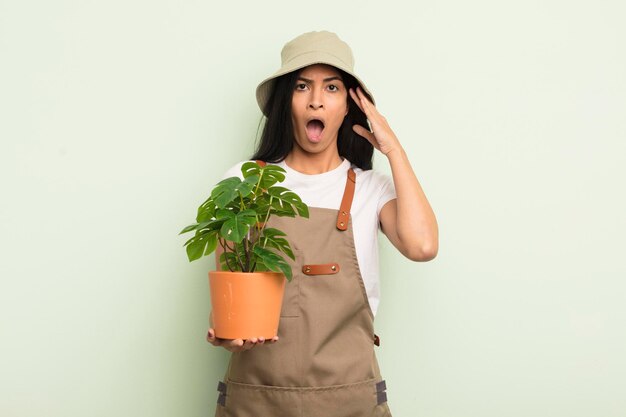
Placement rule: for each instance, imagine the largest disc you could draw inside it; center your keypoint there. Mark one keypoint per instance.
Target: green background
(117, 117)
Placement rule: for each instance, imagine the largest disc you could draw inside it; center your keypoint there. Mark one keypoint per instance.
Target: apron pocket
(245, 400)
(350, 400)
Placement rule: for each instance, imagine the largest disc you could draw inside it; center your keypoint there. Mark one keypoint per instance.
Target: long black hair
(277, 137)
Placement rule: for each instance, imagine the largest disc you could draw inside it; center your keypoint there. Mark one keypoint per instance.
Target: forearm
(416, 224)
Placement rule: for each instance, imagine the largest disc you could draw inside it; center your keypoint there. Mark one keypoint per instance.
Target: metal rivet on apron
(344, 213)
(341, 224)
(334, 268)
(307, 269)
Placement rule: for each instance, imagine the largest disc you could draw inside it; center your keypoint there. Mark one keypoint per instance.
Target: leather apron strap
(346, 202)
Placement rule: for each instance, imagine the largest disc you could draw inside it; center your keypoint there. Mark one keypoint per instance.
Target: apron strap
(346, 201)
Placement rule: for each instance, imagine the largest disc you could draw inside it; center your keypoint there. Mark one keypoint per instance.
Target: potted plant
(247, 290)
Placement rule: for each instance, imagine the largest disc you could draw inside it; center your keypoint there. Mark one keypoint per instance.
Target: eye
(333, 87)
(300, 86)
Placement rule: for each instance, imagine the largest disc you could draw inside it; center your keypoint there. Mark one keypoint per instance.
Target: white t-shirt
(373, 189)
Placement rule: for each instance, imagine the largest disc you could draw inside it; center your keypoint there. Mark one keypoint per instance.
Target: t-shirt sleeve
(387, 191)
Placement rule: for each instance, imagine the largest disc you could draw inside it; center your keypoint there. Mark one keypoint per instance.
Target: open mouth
(314, 129)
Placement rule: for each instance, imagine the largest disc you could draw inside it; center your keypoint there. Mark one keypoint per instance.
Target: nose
(316, 99)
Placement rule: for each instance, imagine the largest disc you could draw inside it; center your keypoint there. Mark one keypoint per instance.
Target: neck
(312, 164)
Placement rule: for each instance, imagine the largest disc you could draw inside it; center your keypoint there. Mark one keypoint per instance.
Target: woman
(324, 364)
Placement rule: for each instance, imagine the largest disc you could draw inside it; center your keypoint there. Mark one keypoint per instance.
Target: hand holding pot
(237, 345)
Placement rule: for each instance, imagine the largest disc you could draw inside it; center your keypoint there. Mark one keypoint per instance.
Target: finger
(361, 131)
(362, 99)
(366, 101)
(261, 341)
(249, 344)
(368, 107)
(210, 337)
(356, 99)
(274, 339)
(234, 345)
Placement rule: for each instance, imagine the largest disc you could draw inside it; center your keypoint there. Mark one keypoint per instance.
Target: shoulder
(376, 187)
(373, 178)
(234, 171)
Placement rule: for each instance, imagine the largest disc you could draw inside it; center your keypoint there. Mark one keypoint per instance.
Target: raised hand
(381, 136)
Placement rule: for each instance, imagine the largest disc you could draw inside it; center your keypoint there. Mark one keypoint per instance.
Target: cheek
(341, 110)
(296, 103)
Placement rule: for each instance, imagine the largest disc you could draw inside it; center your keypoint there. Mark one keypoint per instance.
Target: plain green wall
(116, 118)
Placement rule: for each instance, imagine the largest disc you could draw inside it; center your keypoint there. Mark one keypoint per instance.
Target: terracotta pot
(246, 304)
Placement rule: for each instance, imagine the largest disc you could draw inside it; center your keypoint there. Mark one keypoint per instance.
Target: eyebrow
(325, 79)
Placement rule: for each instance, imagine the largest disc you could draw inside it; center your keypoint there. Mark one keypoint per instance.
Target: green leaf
(273, 232)
(303, 209)
(189, 228)
(195, 249)
(267, 175)
(211, 243)
(209, 202)
(280, 209)
(224, 214)
(271, 175)
(232, 260)
(288, 200)
(203, 244)
(237, 225)
(225, 191)
(260, 266)
(273, 261)
(261, 204)
(245, 188)
(205, 215)
(249, 169)
(273, 238)
(213, 225)
(252, 180)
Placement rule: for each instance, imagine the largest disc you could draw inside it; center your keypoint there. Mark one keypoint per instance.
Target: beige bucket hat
(307, 49)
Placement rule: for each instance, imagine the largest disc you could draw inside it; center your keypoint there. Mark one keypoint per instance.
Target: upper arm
(387, 218)
(389, 225)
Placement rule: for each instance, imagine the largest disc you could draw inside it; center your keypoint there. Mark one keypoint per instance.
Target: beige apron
(323, 364)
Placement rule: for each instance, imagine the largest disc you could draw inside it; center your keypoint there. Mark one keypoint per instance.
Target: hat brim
(264, 89)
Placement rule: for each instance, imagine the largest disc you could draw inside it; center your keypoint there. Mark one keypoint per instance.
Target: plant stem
(258, 184)
(267, 216)
(239, 258)
(224, 246)
(246, 252)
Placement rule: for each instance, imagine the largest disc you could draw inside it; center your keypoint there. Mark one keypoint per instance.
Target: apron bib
(323, 364)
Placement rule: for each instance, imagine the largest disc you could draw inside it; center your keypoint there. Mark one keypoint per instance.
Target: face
(318, 107)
